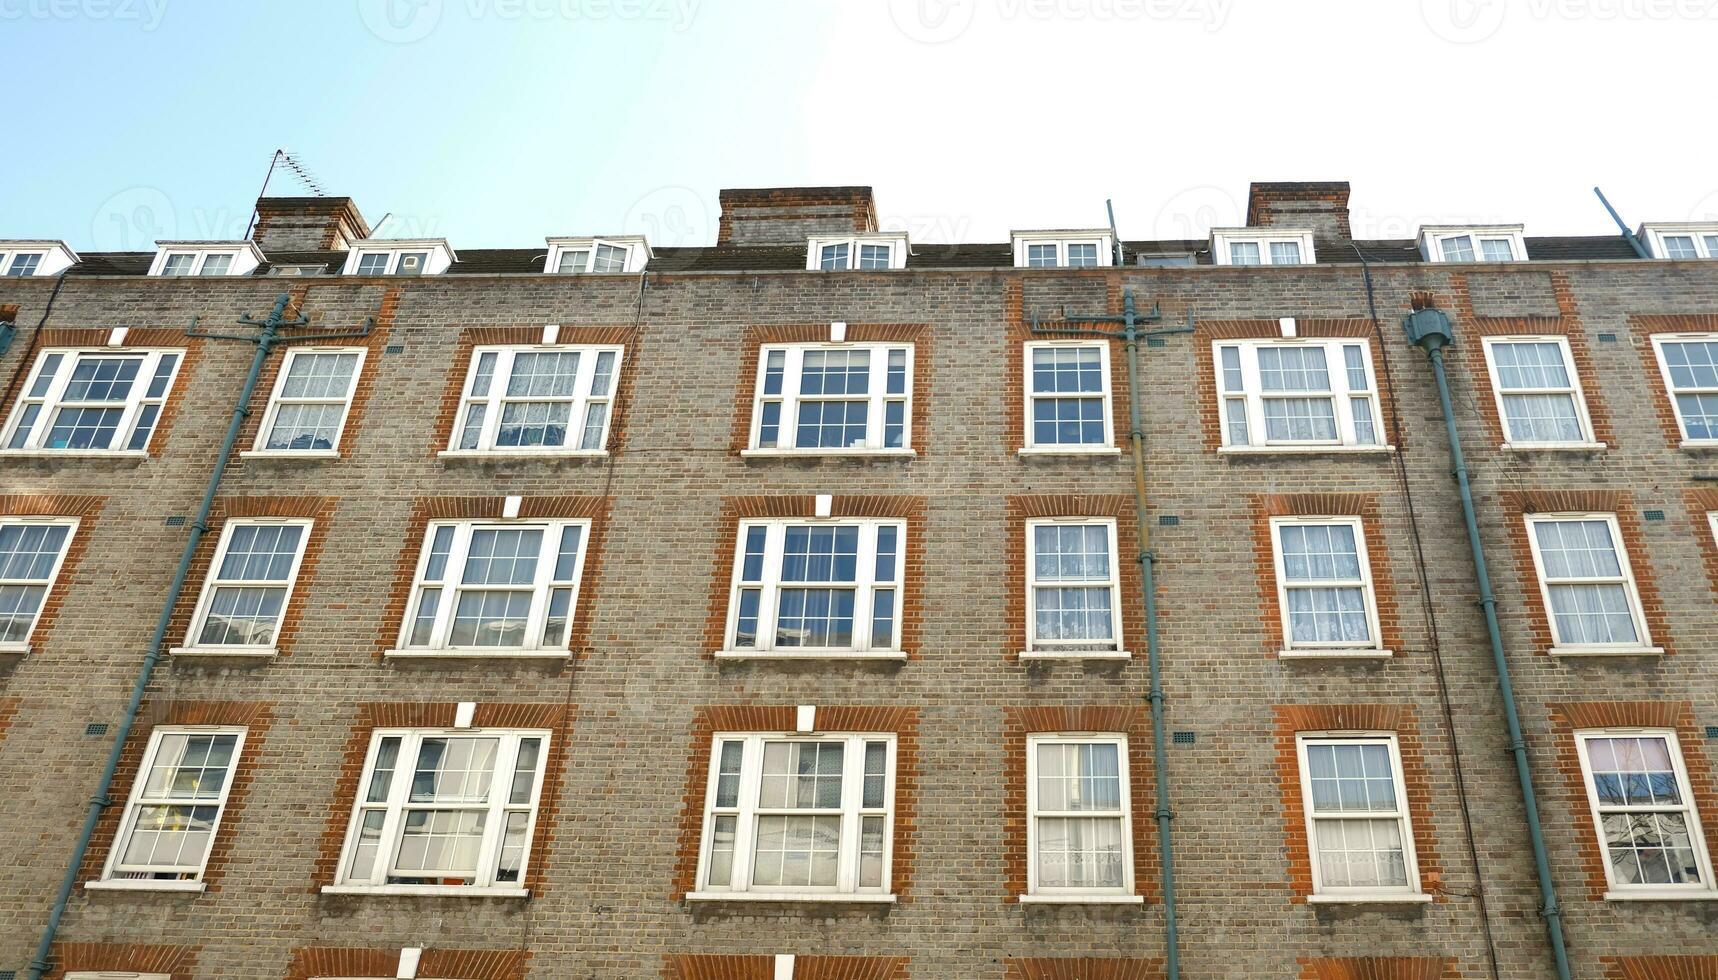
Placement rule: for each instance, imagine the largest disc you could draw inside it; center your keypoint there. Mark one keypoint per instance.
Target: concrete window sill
(451, 891)
(143, 885)
(1082, 899)
(809, 898)
(1606, 651)
(1362, 654)
(1381, 898)
(1661, 895)
(509, 456)
(304, 454)
(1305, 450)
(479, 653)
(837, 453)
(810, 655)
(1075, 655)
(1030, 451)
(135, 456)
(14, 649)
(224, 653)
(1559, 447)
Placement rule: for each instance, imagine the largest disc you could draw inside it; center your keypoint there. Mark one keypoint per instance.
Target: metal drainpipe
(1159, 756)
(99, 802)
(1433, 342)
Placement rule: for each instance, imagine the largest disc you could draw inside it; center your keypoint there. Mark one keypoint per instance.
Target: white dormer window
(1477, 243)
(1063, 249)
(1261, 246)
(205, 259)
(1681, 240)
(862, 252)
(18, 259)
(426, 257)
(580, 256)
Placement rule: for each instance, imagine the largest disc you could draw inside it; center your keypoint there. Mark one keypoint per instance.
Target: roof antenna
(285, 157)
(1115, 237)
(1628, 236)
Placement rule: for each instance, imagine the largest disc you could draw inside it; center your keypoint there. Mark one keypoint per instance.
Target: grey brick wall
(607, 912)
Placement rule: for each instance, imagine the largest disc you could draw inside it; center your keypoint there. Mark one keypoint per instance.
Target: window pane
(1361, 853)
(1577, 549)
(1293, 369)
(1692, 364)
(801, 775)
(1458, 249)
(873, 256)
(800, 851)
(1082, 254)
(1041, 256)
(574, 260)
(1679, 247)
(833, 257)
(1496, 249)
(609, 258)
(1285, 253)
(1300, 419)
(1592, 614)
(1231, 358)
(1243, 253)
(1080, 853)
(1530, 365)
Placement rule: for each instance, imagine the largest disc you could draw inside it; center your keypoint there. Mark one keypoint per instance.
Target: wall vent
(1607, 338)
(1653, 515)
(394, 349)
(96, 728)
(1156, 342)
(1184, 738)
(177, 520)
(1712, 731)
(1168, 520)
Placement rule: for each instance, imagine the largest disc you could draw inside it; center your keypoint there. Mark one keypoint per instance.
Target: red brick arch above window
(1661, 967)
(753, 967)
(1082, 968)
(178, 962)
(1379, 968)
(313, 962)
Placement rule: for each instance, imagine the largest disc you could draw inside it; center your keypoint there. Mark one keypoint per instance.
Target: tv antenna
(287, 160)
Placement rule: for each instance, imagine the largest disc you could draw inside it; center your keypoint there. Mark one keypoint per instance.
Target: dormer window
(1261, 246)
(428, 257)
(862, 252)
(205, 259)
(19, 259)
(1479, 243)
(1062, 249)
(1682, 240)
(581, 256)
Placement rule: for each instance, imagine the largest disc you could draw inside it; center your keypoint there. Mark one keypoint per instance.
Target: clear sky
(497, 122)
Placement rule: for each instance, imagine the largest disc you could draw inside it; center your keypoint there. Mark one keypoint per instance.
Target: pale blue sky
(498, 122)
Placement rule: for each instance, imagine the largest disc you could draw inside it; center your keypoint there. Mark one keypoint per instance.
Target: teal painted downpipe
(100, 801)
(1430, 330)
(1160, 758)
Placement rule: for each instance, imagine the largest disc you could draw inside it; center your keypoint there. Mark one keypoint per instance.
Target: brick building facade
(878, 660)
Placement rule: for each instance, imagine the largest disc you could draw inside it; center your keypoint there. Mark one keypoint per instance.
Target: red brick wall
(1702, 502)
(706, 722)
(1292, 719)
(1379, 968)
(1568, 717)
(1661, 967)
(1132, 721)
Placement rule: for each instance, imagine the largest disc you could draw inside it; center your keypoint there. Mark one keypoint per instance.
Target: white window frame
(437, 257)
(896, 244)
(1704, 235)
(1342, 397)
(277, 399)
(1587, 440)
(54, 257)
(1435, 239)
(1622, 891)
(877, 397)
(847, 888)
(113, 876)
(1659, 340)
(1032, 446)
(1264, 238)
(1410, 892)
(581, 400)
(1643, 645)
(244, 257)
(636, 255)
(1047, 649)
(865, 587)
(1368, 590)
(450, 586)
(1124, 895)
(53, 579)
(51, 399)
(212, 582)
(1060, 240)
(389, 838)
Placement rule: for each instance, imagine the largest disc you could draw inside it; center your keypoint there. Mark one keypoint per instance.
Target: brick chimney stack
(790, 215)
(307, 224)
(1321, 205)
